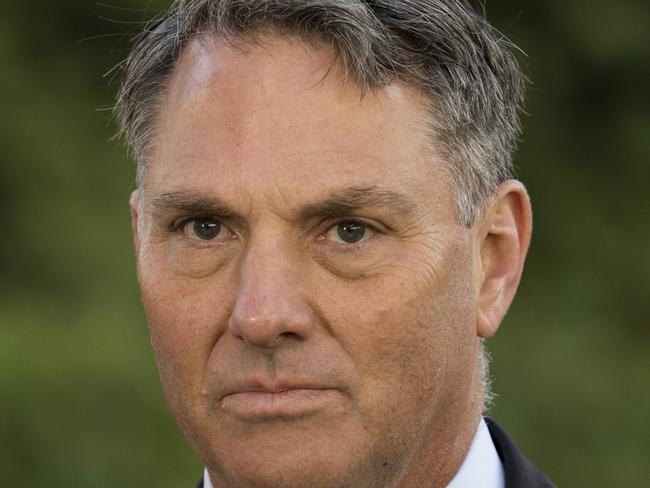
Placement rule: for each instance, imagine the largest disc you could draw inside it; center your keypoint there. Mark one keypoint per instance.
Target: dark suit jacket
(519, 471)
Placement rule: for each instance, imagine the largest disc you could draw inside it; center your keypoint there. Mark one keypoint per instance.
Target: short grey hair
(444, 47)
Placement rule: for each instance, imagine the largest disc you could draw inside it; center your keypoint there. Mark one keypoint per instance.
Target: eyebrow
(348, 200)
(338, 204)
(192, 203)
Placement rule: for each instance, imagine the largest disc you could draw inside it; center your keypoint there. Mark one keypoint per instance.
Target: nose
(270, 307)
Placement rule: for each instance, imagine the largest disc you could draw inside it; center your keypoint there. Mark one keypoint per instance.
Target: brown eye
(203, 229)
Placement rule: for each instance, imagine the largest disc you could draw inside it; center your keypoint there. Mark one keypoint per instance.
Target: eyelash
(355, 221)
(179, 224)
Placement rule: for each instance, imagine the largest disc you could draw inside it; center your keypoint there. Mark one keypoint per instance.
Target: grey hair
(443, 47)
(488, 395)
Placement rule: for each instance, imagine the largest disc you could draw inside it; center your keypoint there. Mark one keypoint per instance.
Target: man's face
(310, 293)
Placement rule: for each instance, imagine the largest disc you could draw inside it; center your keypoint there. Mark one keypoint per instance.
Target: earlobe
(505, 235)
(134, 205)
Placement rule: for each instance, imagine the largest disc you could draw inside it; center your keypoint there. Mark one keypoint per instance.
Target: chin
(287, 455)
(281, 476)
(290, 466)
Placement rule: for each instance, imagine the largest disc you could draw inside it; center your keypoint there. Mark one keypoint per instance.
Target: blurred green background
(80, 404)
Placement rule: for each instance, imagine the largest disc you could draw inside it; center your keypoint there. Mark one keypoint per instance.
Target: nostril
(289, 335)
(265, 317)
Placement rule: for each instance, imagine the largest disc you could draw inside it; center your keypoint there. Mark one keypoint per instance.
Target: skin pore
(314, 304)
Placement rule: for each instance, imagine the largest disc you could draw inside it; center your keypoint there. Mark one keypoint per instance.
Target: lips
(282, 400)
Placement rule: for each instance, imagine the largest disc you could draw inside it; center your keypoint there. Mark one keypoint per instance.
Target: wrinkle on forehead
(209, 59)
(273, 119)
(246, 74)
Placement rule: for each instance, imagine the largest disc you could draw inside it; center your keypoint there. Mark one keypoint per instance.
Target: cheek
(185, 316)
(408, 331)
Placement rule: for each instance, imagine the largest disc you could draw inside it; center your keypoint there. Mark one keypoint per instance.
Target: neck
(436, 459)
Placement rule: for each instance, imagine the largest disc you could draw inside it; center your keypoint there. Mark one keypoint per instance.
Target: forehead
(280, 113)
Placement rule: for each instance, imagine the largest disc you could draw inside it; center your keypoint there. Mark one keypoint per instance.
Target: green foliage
(80, 403)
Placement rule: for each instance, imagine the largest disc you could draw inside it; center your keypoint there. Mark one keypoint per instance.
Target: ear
(134, 204)
(504, 237)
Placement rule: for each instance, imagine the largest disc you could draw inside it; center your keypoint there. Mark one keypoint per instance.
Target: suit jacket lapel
(519, 471)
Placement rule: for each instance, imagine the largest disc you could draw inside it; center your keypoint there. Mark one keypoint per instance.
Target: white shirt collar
(206, 480)
(482, 466)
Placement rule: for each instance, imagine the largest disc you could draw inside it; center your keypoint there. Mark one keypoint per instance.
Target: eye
(203, 229)
(349, 232)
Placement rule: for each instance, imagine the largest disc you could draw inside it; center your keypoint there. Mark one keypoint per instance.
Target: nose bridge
(269, 304)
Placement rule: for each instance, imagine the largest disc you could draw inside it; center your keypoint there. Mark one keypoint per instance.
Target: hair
(443, 47)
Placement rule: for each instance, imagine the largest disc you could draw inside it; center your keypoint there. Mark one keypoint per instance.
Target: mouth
(279, 403)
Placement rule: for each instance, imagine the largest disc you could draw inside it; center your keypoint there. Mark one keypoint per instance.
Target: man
(326, 232)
